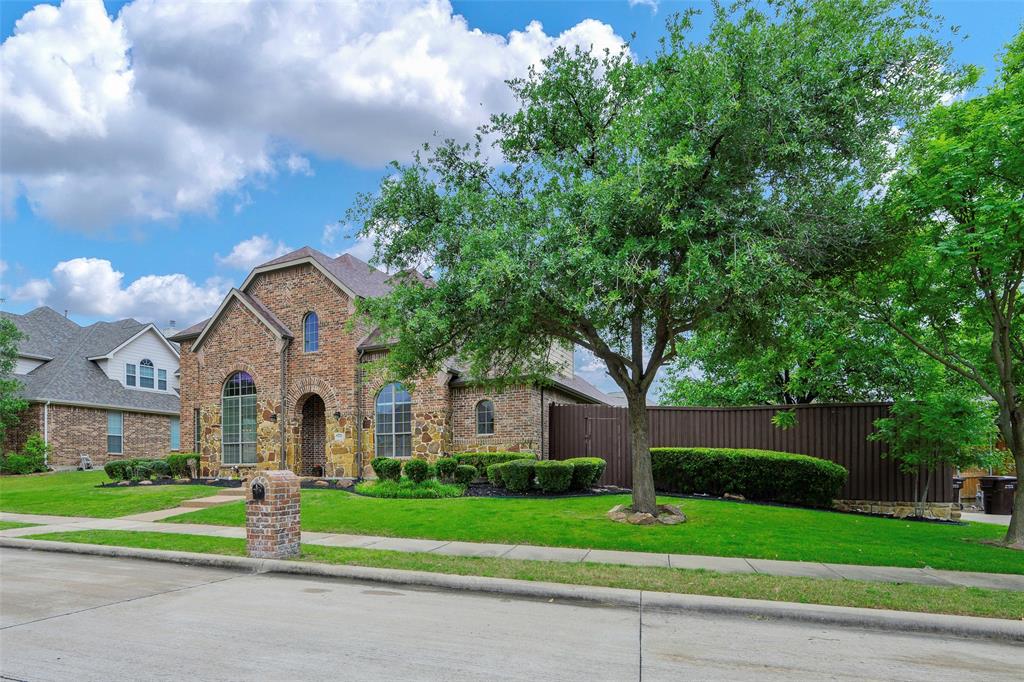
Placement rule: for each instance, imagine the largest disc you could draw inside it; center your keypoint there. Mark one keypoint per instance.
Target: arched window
(238, 419)
(485, 418)
(394, 422)
(146, 374)
(311, 332)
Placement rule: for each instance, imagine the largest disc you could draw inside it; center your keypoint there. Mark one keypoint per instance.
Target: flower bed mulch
(346, 484)
(488, 490)
(214, 482)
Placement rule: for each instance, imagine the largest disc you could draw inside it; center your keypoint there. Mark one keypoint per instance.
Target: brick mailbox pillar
(272, 515)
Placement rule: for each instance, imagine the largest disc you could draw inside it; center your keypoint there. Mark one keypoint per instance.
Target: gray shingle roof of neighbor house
(70, 377)
(574, 385)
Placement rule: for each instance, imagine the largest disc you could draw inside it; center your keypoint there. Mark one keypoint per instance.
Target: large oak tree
(625, 201)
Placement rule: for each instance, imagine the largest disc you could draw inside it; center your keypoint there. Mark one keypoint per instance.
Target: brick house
(278, 376)
(108, 390)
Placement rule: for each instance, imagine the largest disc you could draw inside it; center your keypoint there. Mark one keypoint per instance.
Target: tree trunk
(644, 499)
(922, 499)
(1011, 425)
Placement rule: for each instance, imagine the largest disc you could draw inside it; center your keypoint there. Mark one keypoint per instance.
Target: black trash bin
(998, 492)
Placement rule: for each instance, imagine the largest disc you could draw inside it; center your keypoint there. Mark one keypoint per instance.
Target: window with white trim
(311, 332)
(146, 374)
(129, 374)
(161, 379)
(393, 426)
(238, 420)
(115, 433)
(485, 418)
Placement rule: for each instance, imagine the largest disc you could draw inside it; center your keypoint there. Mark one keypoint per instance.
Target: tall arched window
(311, 332)
(238, 419)
(394, 422)
(485, 418)
(146, 374)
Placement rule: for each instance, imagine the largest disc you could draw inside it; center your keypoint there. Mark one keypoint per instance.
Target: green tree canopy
(624, 202)
(955, 292)
(10, 404)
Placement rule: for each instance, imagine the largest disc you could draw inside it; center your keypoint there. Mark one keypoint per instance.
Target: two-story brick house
(279, 377)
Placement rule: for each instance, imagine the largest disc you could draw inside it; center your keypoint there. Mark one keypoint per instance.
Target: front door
(314, 438)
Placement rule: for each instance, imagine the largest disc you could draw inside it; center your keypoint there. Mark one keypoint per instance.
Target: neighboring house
(108, 390)
(279, 376)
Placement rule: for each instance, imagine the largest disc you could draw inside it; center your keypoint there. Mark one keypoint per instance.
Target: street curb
(871, 619)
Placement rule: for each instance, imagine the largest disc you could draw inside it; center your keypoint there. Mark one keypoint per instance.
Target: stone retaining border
(842, 616)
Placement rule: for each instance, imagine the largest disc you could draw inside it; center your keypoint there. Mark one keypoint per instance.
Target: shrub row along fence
(838, 433)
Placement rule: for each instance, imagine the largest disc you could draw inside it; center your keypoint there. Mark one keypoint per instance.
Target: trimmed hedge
(481, 460)
(586, 471)
(179, 464)
(761, 475)
(553, 476)
(14, 463)
(517, 475)
(387, 468)
(446, 467)
(417, 470)
(493, 474)
(464, 474)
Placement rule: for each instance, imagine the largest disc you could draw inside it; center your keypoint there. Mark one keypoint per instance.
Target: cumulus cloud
(331, 232)
(91, 287)
(247, 254)
(170, 105)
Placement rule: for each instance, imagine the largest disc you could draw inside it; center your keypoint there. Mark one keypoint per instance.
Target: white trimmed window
(238, 419)
(129, 374)
(115, 433)
(485, 418)
(146, 374)
(393, 428)
(161, 379)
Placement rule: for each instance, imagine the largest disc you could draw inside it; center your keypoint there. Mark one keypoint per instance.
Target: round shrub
(494, 475)
(446, 468)
(417, 470)
(387, 468)
(13, 463)
(115, 470)
(482, 460)
(518, 475)
(142, 471)
(762, 475)
(464, 474)
(586, 471)
(553, 476)
(161, 469)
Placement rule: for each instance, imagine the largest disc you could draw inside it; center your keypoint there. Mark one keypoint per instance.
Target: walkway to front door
(314, 438)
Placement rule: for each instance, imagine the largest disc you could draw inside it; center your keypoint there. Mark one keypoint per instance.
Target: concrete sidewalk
(804, 569)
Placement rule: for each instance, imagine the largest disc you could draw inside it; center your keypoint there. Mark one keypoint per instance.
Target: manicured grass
(904, 597)
(7, 525)
(74, 493)
(714, 528)
(406, 489)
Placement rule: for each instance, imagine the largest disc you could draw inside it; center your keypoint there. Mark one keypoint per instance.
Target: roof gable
(136, 333)
(262, 313)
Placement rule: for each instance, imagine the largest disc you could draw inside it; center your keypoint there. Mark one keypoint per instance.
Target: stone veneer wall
(900, 510)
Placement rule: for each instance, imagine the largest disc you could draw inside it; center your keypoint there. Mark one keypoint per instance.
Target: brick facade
(344, 379)
(74, 431)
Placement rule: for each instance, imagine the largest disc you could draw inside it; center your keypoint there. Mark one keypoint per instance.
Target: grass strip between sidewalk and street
(964, 601)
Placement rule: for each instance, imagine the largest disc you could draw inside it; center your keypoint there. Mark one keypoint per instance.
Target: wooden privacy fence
(834, 432)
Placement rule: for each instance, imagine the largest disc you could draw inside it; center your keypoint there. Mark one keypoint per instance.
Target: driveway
(68, 616)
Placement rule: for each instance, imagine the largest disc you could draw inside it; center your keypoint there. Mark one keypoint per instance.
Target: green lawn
(7, 525)
(904, 597)
(714, 528)
(74, 493)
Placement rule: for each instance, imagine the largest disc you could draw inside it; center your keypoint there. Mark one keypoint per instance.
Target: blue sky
(153, 152)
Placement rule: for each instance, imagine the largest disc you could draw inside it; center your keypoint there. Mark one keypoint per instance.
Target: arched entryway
(314, 437)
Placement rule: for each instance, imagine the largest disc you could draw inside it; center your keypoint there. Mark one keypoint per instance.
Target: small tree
(631, 201)
(938, 429)
(10, 404)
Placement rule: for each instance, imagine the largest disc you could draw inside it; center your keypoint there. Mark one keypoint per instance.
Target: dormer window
(311, 333)
(146, 374)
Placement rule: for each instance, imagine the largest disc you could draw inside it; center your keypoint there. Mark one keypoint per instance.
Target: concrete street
(66, 616)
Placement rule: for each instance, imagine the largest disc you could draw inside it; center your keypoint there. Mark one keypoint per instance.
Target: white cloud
(91, 287)
(653, 4)
(331, 232)
(247, 254)
(298, 165)
(362, 249)
(170, 105)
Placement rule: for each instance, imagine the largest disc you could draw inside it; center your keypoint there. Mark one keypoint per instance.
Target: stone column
(272, 515)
